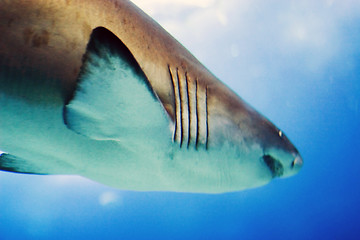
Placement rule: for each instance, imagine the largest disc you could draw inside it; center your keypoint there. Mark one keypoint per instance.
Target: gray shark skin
(98, 89)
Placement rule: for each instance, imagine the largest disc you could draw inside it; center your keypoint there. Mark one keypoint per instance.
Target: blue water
(308, 85)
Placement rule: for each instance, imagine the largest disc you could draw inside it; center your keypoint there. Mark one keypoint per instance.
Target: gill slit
(207, 118)
(176, 104)
(189, 109)
(197, 112)
(180, 107)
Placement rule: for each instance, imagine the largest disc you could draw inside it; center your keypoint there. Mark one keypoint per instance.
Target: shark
(97, 88)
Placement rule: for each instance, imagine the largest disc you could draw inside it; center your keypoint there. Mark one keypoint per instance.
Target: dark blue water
(299, 64)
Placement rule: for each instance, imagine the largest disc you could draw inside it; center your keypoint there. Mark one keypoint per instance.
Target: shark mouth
(275, 166)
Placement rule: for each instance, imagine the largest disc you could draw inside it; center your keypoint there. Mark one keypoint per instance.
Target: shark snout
(297, 163)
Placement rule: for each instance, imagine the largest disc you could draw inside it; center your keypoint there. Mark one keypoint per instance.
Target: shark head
(253, 137)
(244, 148)
(278, 153)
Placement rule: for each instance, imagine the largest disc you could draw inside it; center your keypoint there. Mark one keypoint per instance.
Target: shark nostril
(298, 162)
(275, 166)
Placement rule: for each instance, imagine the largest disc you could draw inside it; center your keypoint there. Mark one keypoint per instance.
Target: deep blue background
(296, 62)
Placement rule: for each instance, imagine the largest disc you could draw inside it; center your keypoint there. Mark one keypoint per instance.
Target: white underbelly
(36, 132)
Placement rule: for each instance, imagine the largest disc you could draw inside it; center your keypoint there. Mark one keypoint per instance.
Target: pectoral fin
(113, 99)
(12, 163)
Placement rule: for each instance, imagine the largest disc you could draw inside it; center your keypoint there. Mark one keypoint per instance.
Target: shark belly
(38, 134)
